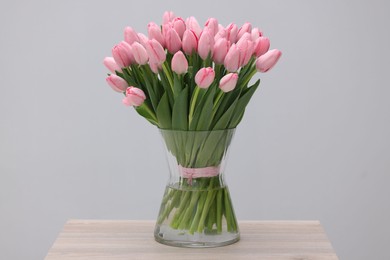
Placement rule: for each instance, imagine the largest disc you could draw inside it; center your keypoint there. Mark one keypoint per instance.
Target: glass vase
(196, 209)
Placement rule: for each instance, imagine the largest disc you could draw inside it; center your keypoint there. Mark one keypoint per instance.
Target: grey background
(314, 143)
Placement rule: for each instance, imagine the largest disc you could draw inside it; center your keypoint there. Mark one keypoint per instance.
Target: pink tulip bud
(246, 28)
(204, 77)
(168, 17)
(220, 34)
(266, 61)
(231, 33)
(130, 35)
(111, 65)
(193, 25)
(122, 54)
(232, 59)
(246, 47)
(180, 26)
(116, 83)
(179, 63)
(228, 82)
(140, 54)
(172, 41)
(206, 44)
(221, 48)
(154, 32)
(212, 24)
(165, 28)
(134, 97)
(155, 51)
(142, 39)
(190, 42)
(261, 46)
(256, 33)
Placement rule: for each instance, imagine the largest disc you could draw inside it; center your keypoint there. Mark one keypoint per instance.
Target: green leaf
(242, 103)
(180, 111)
(167, 87)
(177, 85)
(145, 111)
(201, 119)
(126, 74)
(223, 122)
(224, 103)
(163, 113)
(149, 88)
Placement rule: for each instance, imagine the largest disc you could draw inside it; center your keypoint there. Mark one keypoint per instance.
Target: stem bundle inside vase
(203, 209)
(196, 198)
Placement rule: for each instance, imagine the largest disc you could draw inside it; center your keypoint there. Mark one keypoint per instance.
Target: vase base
(196, 240)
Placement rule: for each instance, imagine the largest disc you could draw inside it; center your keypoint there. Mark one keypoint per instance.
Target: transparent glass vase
(196, 209)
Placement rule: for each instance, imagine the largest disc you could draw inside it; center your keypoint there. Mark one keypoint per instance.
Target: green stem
(211, 217)
(219, 210)
(199, 210)
(216, 102)
(207, 204)
(168, 74)
(192, 105)
(181, 209)
(187, 215)
(206, 209)
(169, 208)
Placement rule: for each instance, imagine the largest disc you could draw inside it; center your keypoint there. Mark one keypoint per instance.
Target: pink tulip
(168, 17)
(165, 28)
(180, 26)
(140, 54)
(134, 97)
(231, 32)
(143, 39)
(212, 24)
(155, 51)
(261, 46)
(154, 32)
(111, 65)
(122, 54)
(221, 48)
(204, 77)
(220, 34)
(116, 83)
(130, 35)
(190, 42)
(228, 82)
(206, 44)
(256, 33)
(246, 47)
(179, 63)
(172, 40)
(246, 28)
(232, 59)
(193, 25)
(266, 61)
(245, 37)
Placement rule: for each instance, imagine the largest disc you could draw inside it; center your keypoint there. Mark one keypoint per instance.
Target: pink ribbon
(193, 173)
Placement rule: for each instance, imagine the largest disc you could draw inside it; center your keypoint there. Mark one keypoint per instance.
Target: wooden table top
(130, 239)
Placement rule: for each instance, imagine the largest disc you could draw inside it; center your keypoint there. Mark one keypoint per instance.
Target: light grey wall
(314, 143)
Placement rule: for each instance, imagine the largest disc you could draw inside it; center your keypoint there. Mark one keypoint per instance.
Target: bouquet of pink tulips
(185, 77)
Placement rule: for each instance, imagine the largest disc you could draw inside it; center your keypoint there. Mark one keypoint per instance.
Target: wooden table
(128, 239)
